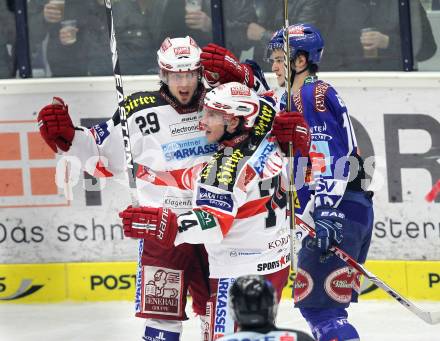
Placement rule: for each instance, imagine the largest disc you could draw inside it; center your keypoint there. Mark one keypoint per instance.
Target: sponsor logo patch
(319, 133)
(320, 90)
(100, 132)
(184, 128)
(178, 51)
(277, 264)
(153, 334)
(177, 202)
(303, 285)
(340, 283)
(205, 219)
(240, 91)
(263, 123)
(278, 242)
(223, 322)
(180, 150)
(208, 198)
(320, 157)
(162, 291)
(296, 31)
(262, 157)
(237, 253)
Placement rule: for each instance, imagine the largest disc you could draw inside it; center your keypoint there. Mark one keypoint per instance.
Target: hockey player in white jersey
(253, 306)
(166, 143)
(239, 201)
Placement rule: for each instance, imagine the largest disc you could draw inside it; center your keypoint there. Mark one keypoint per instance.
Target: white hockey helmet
(179, 55)
(234, 100)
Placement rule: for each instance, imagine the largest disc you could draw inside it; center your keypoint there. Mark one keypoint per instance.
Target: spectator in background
(7, 39)
(423, 40)
(140, 26)
(364, 35)
(89, 30)
(45, 18)
(270, 15)
(78, 40)
(237, 15)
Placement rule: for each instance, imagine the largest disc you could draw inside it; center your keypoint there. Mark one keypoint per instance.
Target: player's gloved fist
(221, 66)
(292, 127)
(329, 227)
(55, 125)
(152, 223)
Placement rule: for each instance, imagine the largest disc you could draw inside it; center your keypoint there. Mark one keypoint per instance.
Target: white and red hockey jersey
(240, 206)
(165, 145)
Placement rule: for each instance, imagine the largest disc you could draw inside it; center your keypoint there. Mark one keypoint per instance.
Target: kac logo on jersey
(179, 150)
(221, 201)
(100, 132)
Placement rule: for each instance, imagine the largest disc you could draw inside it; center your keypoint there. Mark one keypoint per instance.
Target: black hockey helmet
(252, 301)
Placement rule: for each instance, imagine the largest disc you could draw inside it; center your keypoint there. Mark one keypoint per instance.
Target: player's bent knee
(164, 330)
(330, 324)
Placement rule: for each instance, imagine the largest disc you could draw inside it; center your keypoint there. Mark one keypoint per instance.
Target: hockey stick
(427, 316)
(121, 109)
(291, 167)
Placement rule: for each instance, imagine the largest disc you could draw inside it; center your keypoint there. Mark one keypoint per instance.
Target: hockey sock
(330, 324)
(162, 330)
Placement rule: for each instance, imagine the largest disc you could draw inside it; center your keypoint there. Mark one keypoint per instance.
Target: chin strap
(293, 73)
(232, 139)
(229, 139)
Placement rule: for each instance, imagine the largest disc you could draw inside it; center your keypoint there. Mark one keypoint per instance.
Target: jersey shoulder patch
(313, 93)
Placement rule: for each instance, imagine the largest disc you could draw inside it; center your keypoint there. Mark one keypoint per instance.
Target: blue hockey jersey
(326, 173)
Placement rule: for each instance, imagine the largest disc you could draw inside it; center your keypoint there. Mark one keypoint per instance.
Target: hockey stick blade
(427, 316)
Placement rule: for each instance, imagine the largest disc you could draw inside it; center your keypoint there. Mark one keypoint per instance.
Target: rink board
(86, 282)
(396, 117)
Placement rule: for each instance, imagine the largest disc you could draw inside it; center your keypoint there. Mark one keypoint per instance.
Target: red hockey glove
(291, 127)
(55, 125)
(155, 224)
(221, 66)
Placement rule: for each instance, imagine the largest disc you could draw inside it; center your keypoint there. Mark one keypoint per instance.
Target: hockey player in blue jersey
(253, 305)
(332, 198)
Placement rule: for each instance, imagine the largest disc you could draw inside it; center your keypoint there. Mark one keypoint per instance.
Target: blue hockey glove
(329, 224)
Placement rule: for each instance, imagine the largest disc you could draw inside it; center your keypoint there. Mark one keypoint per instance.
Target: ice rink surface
(111, 321)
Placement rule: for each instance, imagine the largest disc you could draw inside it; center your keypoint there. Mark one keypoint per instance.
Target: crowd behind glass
(69, 37)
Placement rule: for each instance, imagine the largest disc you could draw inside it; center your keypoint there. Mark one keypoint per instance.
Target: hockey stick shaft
(429, 317)
(121, 108)
(291, 169)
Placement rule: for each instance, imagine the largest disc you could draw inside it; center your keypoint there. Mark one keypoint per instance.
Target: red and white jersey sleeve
(166, 146)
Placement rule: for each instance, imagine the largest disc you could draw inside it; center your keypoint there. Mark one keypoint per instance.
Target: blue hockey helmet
(302, 37)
